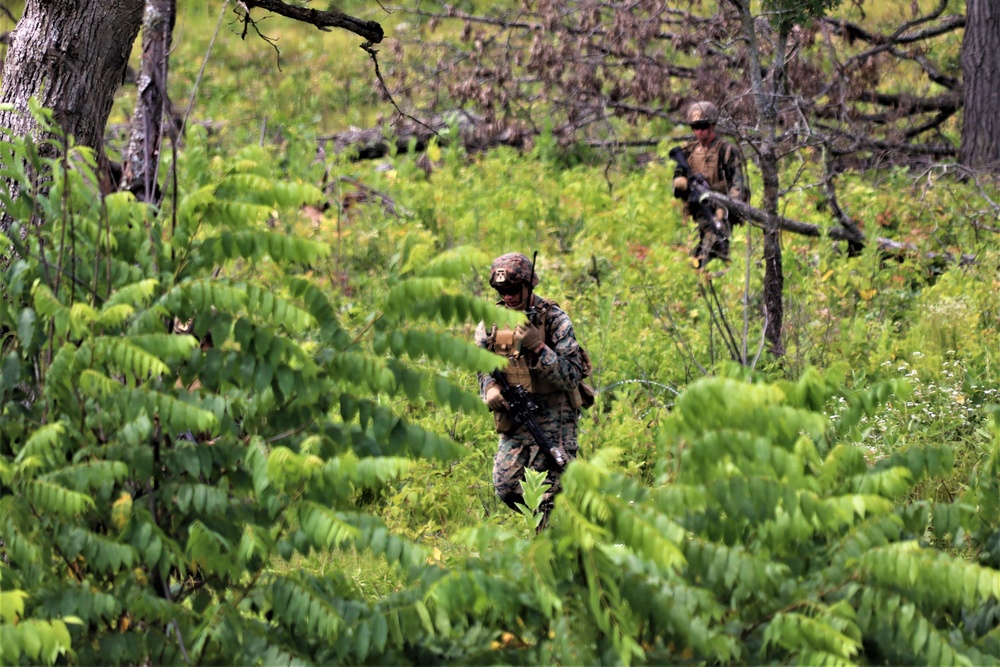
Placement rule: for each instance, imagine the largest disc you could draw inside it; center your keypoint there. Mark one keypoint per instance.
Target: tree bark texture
(766, 95)
(981, 69)
(71, 56)
(141, 158)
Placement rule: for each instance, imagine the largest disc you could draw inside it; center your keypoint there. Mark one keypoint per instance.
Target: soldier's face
(703, 133)
(513, 296)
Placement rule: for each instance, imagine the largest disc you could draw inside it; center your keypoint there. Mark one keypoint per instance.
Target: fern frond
(444, 346)
(101, 553)
(56, 499)
(34, 641)
(304, 609)
(175, 416)
(942, 579)
(131, 360)
(89, 475)
(733, 571)
(365, 473)
(282, 312)
(49, 307)
(903, 632)
(797, 633)
(187, 298)
(373, 535)
(134, 294)
(208, 550)
(324, 527)
(456, 263)
(47, 443)
(254, 244)
(165, 346)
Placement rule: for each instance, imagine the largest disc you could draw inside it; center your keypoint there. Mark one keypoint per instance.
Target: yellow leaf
(434, 152)
(867, 294)
(826, 276)
(121, 510)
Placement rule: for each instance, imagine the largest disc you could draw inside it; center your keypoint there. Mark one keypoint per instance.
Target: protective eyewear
(700, 126)
(508, 289)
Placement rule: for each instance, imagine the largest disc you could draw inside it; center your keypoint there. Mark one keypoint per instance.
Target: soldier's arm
(560, 361)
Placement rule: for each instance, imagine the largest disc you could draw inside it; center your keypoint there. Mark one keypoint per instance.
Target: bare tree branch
(370, 30)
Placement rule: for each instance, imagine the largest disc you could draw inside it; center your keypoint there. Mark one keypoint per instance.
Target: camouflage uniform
(554, 374)
(721, 163)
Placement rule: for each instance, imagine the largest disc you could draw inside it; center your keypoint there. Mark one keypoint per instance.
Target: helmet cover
(513, 268)
(702, 112)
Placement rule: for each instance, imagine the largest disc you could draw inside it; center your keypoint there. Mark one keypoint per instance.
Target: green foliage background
(303, 475)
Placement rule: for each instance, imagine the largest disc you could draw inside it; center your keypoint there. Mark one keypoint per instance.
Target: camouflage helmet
(702, 112)
(511, 269)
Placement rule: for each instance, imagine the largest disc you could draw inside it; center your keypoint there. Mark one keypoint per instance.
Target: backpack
(584, 395)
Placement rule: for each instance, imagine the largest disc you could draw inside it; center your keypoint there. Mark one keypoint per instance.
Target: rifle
(522, 405)
(523, 409)
(698, 190)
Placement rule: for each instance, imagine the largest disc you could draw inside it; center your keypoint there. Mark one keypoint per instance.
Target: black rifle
(522, 405)
(698, 190)
(522, 410)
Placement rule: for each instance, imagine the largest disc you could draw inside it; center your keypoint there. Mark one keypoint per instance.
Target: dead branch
(468, 129)
(849, 233)
(763, 220)
(364, 194)
(370, 30)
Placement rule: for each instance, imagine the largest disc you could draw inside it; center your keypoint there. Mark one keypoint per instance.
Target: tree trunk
(766, 95)
(981, 69)
(71, 56)
(141, 159)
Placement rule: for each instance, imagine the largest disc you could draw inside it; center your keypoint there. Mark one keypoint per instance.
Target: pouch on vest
(504, 422)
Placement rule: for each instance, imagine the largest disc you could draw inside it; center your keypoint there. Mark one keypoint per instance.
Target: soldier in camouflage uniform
(546, 359)
(721, 163)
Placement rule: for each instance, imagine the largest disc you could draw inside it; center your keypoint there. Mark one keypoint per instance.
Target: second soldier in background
(721, 163)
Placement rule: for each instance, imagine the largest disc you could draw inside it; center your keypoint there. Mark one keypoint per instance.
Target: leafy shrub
(182, 406)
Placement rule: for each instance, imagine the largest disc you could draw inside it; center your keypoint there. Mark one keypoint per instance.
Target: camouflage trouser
(713, 243)
(519, 450)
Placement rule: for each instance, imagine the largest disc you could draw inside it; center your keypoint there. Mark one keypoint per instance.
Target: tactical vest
(501, 341)
(707, 162)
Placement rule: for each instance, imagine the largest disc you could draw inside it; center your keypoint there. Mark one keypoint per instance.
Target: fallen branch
(852, 235)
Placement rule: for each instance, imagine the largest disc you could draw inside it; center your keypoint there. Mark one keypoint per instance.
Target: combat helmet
(513, 268)
(702, 112)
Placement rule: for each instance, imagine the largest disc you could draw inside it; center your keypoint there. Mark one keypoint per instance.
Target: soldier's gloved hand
(494, 399)
(531, 337)
(680, 184)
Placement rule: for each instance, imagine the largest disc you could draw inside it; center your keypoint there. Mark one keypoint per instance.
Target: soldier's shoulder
(729, 148)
